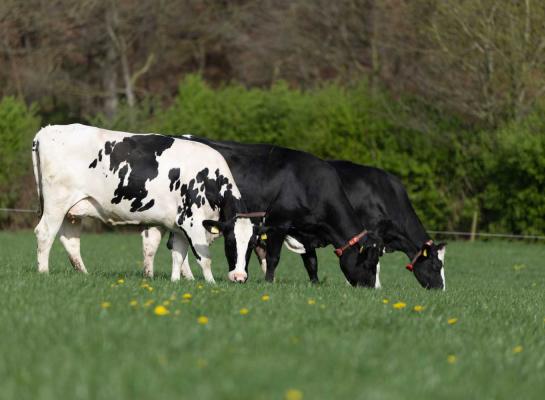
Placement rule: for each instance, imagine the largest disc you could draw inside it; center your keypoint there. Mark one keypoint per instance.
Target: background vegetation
(446, 94)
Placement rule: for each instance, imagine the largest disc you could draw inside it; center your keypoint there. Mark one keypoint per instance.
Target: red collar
(350, 243)
(410, 266)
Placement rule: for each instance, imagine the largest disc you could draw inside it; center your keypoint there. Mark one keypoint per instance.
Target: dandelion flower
(150, 289)
(293, 394)
(451, 359)
(149, 303)
(202, 320)
(399, 305)
(385, 301)
(418, 308)
(452, 321)
(105, 304)
(161, 310)
(187, 296)
(311, 302)
(244, 311)
(133, 303)
(265, 297)
(517, 349)
(200, 286)
(120, 281)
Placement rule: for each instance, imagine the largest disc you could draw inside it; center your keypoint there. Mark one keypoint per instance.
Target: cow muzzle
(238, 276)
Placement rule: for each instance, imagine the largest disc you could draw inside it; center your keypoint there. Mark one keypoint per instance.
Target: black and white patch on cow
(123, 178)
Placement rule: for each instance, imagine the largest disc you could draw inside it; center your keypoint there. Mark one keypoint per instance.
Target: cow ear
(214, 227)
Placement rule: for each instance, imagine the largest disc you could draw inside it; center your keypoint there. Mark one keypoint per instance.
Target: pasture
(80, 337)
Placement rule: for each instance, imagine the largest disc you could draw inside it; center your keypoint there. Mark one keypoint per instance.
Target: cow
(303, 197)
(382, 204)
(183, 186)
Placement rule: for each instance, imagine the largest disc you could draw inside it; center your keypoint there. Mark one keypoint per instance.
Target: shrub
(18, 125)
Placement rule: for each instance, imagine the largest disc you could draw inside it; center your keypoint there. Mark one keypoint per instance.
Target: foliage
(18, 124)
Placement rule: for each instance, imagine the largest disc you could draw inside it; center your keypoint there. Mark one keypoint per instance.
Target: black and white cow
(302, 196)
(183, 186)
(382, 204)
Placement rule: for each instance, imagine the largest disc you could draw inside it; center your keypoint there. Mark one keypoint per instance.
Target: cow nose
(239, 277)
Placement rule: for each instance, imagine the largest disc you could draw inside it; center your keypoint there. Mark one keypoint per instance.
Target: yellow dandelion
(133, 303)
(187, 296)
(150, 289)
(265, 297)
(399, 305)
(149, 303)
(120, 281)
(385, 301)
(202, 320)
(293, 394)
(311, 302)
(105, 304)
(418, 308)
(452, 321)
(452, 359)
(166, 302)
(517, 349)
(244, 311)
(161, 310)
(144, 285)
(200, 286)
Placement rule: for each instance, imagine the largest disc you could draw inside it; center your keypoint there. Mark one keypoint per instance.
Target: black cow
(382, 204)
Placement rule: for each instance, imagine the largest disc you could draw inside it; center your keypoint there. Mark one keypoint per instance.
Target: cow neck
(342, 226)
(412, 241)
(230, 207)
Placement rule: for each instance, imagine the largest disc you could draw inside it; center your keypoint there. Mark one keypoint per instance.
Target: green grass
(57, 342)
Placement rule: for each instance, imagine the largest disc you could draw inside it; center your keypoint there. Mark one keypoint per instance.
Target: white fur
(377, 279)
(294, 245)
(441, 256)
(243, 231)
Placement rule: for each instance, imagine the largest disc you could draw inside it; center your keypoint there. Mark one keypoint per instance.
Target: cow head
(240, 237)
(359, 261)
(428, 265)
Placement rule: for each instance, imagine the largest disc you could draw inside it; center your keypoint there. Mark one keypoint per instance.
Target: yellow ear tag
(263, 236)
(214, 230)
(425, 253)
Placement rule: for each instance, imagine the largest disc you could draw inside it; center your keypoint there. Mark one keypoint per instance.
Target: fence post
(473, 226)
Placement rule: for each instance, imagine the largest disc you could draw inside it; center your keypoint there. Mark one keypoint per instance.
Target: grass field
(313, 342)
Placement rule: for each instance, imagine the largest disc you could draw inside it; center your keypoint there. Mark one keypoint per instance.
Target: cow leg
(151, 239)
(45, 231)
(311, 264)
(179, 249)
(274, 248)
(261, 254)
(70, 233)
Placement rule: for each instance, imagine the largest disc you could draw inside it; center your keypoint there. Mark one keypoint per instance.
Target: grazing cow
(379, 196)
(182, 186)
(382, 204)
(303, 197)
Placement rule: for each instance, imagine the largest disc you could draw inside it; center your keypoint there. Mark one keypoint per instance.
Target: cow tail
(37, 172)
